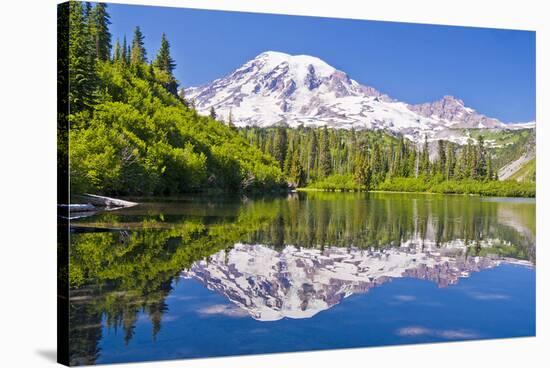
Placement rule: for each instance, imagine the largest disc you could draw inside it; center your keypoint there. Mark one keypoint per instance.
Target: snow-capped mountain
(300, 282)
(275, 87)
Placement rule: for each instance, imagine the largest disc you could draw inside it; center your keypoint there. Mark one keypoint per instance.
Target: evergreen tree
(471, 158)
(461, 168)
(280, 145)
(138, 54)
(124, 51)
(165, 63)
(450, 163)
(212, 112)
(325, 164)
(312, 157)
(490, 175)
(82, 68)
(363, 172)
(101, 35)
(481, 159)
(117, 55)
(425, 158)
(296, 173)
(442, 159)
(377, 164)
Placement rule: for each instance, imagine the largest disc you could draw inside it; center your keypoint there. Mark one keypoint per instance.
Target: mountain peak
(452, 99)
(274, 59)
(453, 111)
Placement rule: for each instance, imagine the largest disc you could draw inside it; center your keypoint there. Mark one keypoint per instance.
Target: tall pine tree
(164, 61)
(82, 75)
(124, 51)
(117, 57)
(166, 64)
(325, 162)
(100, 25)
(138, 54)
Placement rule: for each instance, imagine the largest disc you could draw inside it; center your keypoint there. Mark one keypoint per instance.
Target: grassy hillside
(527, 173)
(509, 145)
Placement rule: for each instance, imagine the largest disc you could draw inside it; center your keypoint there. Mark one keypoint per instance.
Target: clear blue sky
(492, 70)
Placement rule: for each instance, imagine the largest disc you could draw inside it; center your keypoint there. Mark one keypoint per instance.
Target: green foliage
(141, 140)
(332, 159)
(337, 182)
(437, 185)
(131, 134)
(82, 68)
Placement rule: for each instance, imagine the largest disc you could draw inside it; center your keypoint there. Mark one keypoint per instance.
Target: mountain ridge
(276, 87)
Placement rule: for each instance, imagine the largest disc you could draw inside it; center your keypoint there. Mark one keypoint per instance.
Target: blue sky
(492, 70)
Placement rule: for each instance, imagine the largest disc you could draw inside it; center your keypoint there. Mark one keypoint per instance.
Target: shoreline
(308, 189)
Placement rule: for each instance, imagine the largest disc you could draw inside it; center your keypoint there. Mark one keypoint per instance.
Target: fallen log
(79, 207)
(101, 201)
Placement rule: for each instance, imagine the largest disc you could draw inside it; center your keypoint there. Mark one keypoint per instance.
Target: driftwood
(79, 207)
(91, 204)
(101, 201)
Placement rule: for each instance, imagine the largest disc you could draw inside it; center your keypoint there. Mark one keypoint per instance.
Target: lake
(215, 275)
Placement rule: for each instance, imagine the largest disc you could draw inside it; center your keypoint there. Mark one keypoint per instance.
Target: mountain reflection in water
(277, 257)
(301, 282)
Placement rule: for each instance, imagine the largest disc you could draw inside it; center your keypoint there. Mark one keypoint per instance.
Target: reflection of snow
(222, 309)
(301, 282)
(445, 334)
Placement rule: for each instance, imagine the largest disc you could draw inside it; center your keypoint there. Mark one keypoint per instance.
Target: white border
(28, 187)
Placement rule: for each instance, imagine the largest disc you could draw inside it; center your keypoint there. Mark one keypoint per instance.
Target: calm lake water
(213, 276)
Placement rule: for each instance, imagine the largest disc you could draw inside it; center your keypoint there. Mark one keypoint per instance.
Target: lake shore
(506, 188)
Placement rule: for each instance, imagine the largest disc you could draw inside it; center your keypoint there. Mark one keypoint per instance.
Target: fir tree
(102, 37)
(212, 112)
(450, 163)
(425, 158)
(481, 159)
(138, 53)
(124, 51)
(117, 56)
(296, 172)
(312, 157)
(280, 145)
(82, 69)
(325, 164)
(164, 61)
(442, 159)
(363, 172)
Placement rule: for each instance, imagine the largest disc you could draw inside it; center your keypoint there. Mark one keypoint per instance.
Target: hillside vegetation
(131, 134)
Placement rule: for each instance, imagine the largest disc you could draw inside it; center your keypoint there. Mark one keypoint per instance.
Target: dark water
(214, 276)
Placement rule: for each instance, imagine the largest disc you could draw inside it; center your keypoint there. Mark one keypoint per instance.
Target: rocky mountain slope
(275, 87)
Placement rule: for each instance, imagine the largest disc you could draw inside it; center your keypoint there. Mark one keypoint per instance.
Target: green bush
(337, 182)
(139, 139)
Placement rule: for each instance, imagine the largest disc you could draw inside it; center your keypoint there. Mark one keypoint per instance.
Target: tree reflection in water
(128, 262)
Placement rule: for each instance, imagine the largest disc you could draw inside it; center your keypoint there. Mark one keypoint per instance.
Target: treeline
(131, 133)
(366, 159)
